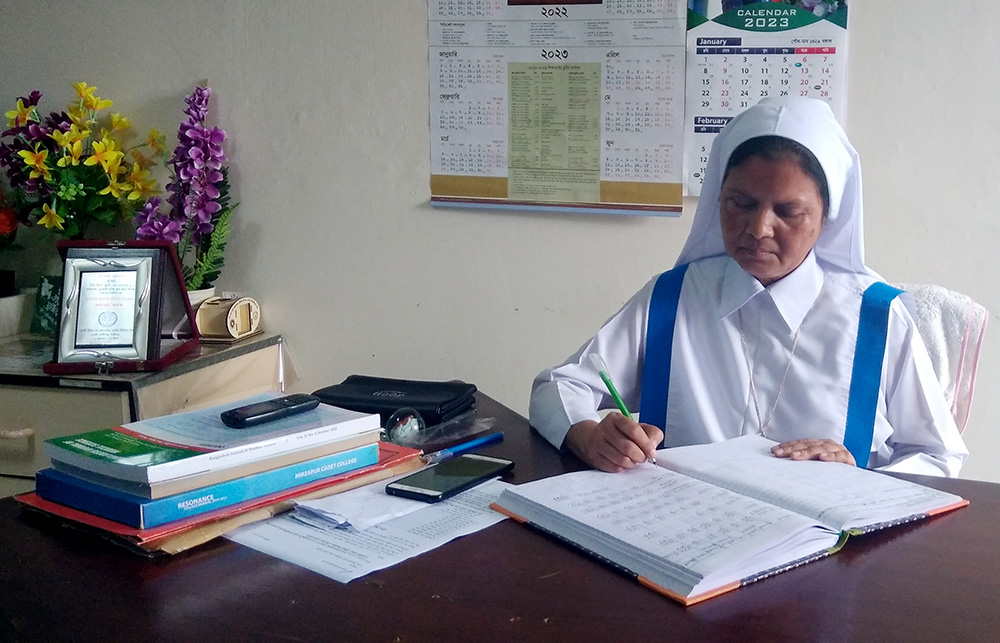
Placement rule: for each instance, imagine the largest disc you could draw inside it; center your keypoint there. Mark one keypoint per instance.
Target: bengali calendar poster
(576, 106)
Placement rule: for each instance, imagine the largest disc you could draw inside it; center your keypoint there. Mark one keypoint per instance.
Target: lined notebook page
(664, 515)
(835, 494)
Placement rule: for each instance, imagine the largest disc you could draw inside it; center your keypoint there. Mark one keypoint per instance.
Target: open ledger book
(711, 518)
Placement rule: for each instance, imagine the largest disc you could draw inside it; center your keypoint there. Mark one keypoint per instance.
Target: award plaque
(123, 308)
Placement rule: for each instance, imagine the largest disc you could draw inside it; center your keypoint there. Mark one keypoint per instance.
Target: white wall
(326, 105)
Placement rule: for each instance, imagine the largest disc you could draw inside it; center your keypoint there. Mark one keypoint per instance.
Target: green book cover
(110, 445)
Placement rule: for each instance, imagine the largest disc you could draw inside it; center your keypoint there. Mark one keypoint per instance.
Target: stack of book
(168, 483)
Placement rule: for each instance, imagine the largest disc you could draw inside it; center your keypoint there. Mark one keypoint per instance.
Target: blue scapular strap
(869, 352)
(659, 344)
(866, 373)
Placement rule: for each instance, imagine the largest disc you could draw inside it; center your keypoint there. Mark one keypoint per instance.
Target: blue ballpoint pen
(444, 454)
(602, 370)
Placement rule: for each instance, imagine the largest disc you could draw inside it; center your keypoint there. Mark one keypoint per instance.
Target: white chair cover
(952, 326)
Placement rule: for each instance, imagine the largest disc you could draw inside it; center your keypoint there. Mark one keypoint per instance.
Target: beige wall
(326, 105)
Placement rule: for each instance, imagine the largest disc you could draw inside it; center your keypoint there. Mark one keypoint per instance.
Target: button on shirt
(729, 325)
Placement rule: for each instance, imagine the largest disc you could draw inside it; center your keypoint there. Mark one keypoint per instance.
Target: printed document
(344, 554)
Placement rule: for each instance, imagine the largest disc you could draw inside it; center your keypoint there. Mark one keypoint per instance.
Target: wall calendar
(749, 51)
(609, 106)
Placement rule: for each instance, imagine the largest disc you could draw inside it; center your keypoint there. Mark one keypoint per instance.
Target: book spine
(142, 513)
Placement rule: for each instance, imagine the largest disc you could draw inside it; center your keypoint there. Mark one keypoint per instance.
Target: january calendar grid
(735, 77)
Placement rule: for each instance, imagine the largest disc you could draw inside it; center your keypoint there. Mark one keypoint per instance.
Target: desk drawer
(30, 415)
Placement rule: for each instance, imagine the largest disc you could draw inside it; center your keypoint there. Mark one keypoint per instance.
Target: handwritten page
(346, 554)
(664, 515)
(837, 495)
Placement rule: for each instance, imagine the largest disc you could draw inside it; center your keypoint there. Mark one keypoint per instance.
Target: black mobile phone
(445, 479)
(243, 417)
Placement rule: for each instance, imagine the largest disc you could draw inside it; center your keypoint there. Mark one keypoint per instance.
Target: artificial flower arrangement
(197, 219)
(72, 168)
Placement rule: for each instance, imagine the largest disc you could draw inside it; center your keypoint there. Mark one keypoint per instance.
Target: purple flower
(37, 133)
(148, 211)
(160, 227)
(58, 121)
(198, 103)
(194, 193)
(32, 98)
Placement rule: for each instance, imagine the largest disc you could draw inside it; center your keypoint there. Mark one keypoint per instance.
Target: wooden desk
(935, 581)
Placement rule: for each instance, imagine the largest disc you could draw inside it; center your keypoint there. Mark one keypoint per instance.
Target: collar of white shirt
(793, 295)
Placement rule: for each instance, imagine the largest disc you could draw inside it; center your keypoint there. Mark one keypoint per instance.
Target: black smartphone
(445, 479)
(243, 417)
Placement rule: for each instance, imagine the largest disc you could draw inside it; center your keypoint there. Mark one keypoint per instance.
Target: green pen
(602, 370)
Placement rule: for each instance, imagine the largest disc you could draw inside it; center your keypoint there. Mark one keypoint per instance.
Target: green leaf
(208, 264)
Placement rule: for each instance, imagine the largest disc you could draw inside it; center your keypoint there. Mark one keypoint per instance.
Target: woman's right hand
(615, 443)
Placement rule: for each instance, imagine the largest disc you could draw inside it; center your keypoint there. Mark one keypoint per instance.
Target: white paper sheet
(346, 554)
(360, 508)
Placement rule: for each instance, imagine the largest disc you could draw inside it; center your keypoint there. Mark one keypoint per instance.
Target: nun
(770, 323)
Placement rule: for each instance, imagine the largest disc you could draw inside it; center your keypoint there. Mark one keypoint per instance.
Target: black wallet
(435, 401)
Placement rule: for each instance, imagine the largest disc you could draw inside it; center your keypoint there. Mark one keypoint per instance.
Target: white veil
(811, 123)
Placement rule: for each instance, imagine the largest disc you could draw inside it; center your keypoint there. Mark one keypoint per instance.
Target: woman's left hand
(814, 449)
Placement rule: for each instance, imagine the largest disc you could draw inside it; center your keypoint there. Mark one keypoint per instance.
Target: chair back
(952, 326)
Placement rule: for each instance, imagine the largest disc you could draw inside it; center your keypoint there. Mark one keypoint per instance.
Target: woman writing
(761, 327)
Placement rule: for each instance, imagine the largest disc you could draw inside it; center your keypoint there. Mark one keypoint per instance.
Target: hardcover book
(166, 488)
(197, 442)
(143, 513)
(181, 535)
(711, 518)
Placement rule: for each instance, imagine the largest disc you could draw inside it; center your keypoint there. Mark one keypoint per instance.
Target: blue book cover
(129, 509)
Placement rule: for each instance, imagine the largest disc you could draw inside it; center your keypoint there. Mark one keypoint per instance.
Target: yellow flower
(77, 133)
(36, 161)
(141, 160)
(83, 91)
(19, 116)
(119, 122)
(142, 185)
(63, 139)
(77, 114)
(51, 218)
(115, 188)
(156, 141)
(72, 157)
(67, 139)
(96, 104)
(104, 153)
(87, 98)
